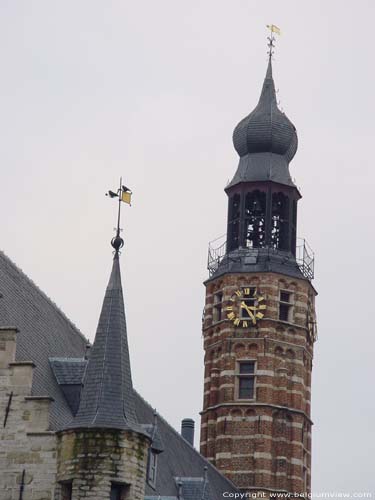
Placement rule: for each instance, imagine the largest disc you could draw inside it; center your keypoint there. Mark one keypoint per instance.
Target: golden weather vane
(271, 39)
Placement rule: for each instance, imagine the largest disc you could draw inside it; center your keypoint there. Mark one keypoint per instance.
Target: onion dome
(266, 140)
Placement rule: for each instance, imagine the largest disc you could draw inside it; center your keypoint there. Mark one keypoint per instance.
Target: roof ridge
(43, 294)
(184, 440)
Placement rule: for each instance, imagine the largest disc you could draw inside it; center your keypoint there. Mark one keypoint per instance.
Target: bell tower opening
(255, 219)
(234, 216)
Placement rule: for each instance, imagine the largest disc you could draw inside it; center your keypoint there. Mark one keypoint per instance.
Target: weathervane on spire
(124, 195)
(271, 39)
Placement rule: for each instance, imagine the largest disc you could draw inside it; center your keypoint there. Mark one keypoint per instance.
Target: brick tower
(259, 321)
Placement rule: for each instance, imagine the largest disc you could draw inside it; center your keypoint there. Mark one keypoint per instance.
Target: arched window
(280, 223)
(234, 222)
(255, 219)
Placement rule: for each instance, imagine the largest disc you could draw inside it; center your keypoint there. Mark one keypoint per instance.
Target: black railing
(305, 258)
(217, 250)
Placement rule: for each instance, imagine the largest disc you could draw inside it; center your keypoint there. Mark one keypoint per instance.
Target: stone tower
(103, 452)
(259, 320)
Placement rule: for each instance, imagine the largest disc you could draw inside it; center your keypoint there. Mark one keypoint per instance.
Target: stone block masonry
(27, 447)
(41, 462)
(95, 459)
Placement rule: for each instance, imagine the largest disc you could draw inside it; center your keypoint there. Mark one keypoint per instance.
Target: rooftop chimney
(187, 430)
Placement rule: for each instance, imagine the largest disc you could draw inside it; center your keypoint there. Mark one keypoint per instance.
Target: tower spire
(107, 397)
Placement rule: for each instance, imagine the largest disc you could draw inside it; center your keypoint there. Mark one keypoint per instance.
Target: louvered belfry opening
(262, 216)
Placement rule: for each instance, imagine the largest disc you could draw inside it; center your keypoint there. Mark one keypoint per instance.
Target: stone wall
(42, 463)
(93, 460)
(27, 447)
(263, 443)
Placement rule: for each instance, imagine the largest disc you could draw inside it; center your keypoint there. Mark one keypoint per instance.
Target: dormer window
(152, 468)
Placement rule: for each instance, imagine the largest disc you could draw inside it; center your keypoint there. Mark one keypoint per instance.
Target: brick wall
(263, 443)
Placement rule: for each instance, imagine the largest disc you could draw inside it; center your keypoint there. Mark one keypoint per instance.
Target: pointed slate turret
(107, 398)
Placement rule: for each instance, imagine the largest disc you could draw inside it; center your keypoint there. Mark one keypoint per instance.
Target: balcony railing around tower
(217, 251)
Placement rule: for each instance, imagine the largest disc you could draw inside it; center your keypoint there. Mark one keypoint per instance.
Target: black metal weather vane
(123, 194)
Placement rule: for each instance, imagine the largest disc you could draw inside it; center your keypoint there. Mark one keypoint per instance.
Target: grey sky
(152, 90)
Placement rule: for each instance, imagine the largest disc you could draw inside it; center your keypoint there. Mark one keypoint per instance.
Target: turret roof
(266, 140)
(107, 398)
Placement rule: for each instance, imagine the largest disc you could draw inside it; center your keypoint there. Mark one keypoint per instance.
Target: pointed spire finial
(124, 195)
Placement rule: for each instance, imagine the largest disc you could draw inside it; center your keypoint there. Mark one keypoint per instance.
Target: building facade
(72, 426)
(259, 320)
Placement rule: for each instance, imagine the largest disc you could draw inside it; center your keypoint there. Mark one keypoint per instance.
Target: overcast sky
(151, 90)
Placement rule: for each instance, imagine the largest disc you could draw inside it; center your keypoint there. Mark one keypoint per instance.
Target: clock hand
(244, 306)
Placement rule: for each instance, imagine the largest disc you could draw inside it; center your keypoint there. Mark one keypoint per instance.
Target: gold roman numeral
(236, 322)
(238, 293)
(231, 315)
(244, 324)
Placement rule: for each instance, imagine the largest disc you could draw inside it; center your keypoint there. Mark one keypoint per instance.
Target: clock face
(245, 307)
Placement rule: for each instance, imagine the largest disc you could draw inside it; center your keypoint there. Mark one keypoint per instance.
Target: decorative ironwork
(217, 251)
(7, 409)
(305, 258)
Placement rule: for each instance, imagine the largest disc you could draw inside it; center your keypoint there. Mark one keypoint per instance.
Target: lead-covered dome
(266, 129)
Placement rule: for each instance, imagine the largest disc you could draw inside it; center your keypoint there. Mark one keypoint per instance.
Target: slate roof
(44, 332)
(266, 140)
(68, 371)
(178, 461)
(107, 398)
(49, 339)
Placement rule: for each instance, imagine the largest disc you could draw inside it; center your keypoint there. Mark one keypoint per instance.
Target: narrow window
(285, 306)
(234, 222)
(217, 311)
(246, 379)
(152, 467)
(119, 491)
(66, 490)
